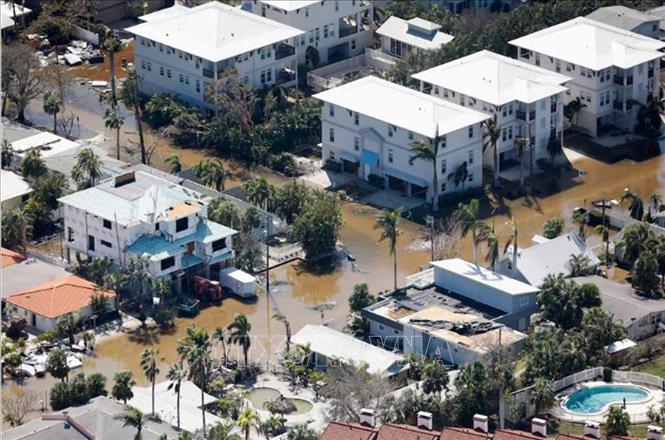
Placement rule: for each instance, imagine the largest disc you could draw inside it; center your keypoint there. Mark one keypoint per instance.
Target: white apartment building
(334, 29)
(369, 125)
(180, 50)
(610, 69)
(526, 100)
(141, 214)
(400, 37)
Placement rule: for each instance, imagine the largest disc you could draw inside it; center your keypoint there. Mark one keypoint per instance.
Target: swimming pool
(594, 399)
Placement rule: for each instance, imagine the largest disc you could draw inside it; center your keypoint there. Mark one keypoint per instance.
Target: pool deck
(637, 410)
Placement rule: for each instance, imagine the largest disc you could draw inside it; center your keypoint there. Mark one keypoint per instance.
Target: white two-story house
(369, 126)
(140, 214)
(611, 69)
(334, 29)
(180, 50)
(526, 100)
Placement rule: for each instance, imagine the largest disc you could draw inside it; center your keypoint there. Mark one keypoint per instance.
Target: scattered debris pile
(462, 328)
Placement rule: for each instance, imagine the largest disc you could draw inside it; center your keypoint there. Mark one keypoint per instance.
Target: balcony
(284, 50)
(208, 73)
(346, 31)
(553, 107)
(522, 115)
(618, 105)
(285, 75)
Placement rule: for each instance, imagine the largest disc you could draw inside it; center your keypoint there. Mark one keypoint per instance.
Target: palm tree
(194, 349)
(213, 174)
(134, 79)
(573, 108)
(114, 121)
(246, 419)
(51, 106)
(636, 238)
(112, 44)
(16, 229)
(32, 165)
(617, 422)
(223, 431)
(460, 175)
(429, 150)
(258, 191)
(270, 426)
(491, 136)
(579, 218)
(150, 369)
(88, 168)
(388, 222)
(542, 394)
(491, 239)
(604, 231)
(580, 265)
(520, 149)
(240, 328)
(655, 200)
(7, 154)
(134, 418)
(220, 335)
(68, 325)
(177, 373)
(302, 432)
(636, 206)
(174, 163)
(513, 240)
(467, 217)
(287, 328)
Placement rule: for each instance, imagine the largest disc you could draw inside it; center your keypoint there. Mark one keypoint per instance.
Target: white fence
(582, 376)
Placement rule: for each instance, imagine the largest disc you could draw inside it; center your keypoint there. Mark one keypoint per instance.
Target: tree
(122, 386)
(435, 378)
(130, 96)
(270, 427)
(220, 336)
(59, 397)
(635, 205)
(88, 169)
(598, 331)
(491, 239)
(51, 105)
(258, 191)
(521, 146)
(360, 298)
(560, 301)
(604, 232)
(173, 161)
(177, 373)
(460, 175)
(150, 369)
(636, 238)
(573, 108)
(388, 221)
(246, 419)
(239, 334)
(287, 328)
(290, 200)
(96, 384)
(474, 394)
(541, 394)
(302, 432)
(644, 275)
(195, 350)
(56, 364)
(429, 151)
(16, 405)
(111, 44)
(580, 265)
(212, 174)
(467, 217)
(134, 418)
(221, 431)
(317, 227)
(553, 227)
(79, 394)
(16, 229)
(618, 422)
(32, 165)
(7, 154)
(113, 120)
(68, 325)
(580, 219)
(491, 136)
(26, 80)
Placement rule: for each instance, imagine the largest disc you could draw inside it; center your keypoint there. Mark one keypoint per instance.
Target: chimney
(539, 427)
(425, 420)
(654, 432)
(592, 429)
(480, 423)
(367, 417)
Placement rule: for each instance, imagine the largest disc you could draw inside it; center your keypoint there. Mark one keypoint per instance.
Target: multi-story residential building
(180, 50)
(334, 29)
(526, 100)
(612, 69)
(628, 19)
(400, 37)
(370, 124)
(141, 214)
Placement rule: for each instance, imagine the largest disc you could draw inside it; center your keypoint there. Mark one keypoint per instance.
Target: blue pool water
(593, 399)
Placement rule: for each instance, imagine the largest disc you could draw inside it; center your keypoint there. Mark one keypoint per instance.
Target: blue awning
(348, 156)
(370, 158)
(406, 176)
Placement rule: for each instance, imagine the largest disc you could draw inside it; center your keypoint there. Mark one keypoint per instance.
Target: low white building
(180, 50)
(14, 190)
(400, 37)
(611, 69)
(370, 124)
(526, 100)
(334, 30)
(141, 214)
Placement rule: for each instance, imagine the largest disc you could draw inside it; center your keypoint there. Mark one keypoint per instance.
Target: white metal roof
(477, 274)
(401, 106)
(290, 5)
(621, 17)
(13, 186)
(162, 14)
(429, 38)
(495, 78)
(49, 144)
(592, 44)
(337, 345)
(238, 275)
(7, 9)
(214, 31)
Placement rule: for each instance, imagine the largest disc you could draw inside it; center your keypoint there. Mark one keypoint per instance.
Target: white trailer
(239, 282)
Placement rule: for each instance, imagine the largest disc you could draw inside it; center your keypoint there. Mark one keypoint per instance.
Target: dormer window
(181, 224)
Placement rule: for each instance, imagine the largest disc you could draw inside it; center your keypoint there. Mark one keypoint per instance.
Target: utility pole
(501, 403)
(430, 222)
(268, 221)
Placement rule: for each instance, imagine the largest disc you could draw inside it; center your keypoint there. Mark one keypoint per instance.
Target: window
(161, 47)
(306, 12)
(269, 75)
(443, 141)
(445, 93)
(182, 78)
(443, 187)
(390, 130)
(470, 157)
(410, 135)
(70, 234)
(156, 226)
(504, 134)
(444, 166)
(142, 41)
(504, 111)
(218, 245)
(143, 64)
(331, 110)
(167, 263)
(470, 177)
(524, 301)
(161, 70)
(198, 86)
(510, 109)
(325, 31)
(186, 79)
(510, 132)
(263, 77)
(356, 119)
(107, 224)
(91, 243)
(353, 44)
(331, 135)
(263, 54)
(436, 90)
(105, 243)
(470, 132)
(337, 7)
(356, 143)
(179, 54)
(168, 73)
(390, 155)
(317, 34)
(181, 224)
(149, 66)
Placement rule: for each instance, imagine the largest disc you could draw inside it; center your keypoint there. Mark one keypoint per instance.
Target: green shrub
(332, 165)
(607, 374)
(284, 163)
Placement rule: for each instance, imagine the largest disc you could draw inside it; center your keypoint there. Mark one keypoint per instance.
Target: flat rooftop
(592, 44)
(213, 31)
(416, 32)
(495, 78)
(12, 186)
(27, 274)
(486, 277)
(401, 106)
(290, 5)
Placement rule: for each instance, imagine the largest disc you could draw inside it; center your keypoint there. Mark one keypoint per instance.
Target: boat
(188, 307)
(73, 362)
(40, 370)
(26, 370)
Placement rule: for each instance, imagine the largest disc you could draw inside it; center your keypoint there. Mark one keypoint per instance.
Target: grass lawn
(655, 366)
(571, 428)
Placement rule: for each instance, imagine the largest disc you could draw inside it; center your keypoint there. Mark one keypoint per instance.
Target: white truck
(238, 282)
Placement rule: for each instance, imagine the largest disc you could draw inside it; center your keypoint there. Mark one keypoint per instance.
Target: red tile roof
(10, 257)
(58, 297)
(574, 437)
(510, 434)
(393, 431)
(463, 434)
(347, 431)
